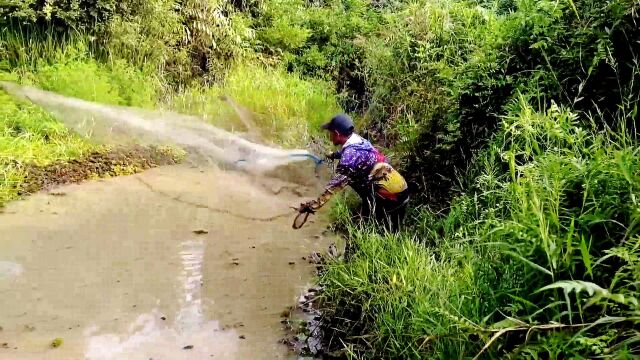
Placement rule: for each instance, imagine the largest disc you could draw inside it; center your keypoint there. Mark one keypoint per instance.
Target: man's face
(335, 137)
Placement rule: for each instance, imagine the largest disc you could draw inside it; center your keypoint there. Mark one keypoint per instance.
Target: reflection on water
(190, 316)
(9, 269)
(150, 336)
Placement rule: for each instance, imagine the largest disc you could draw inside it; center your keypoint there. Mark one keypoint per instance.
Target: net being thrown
(120, 125)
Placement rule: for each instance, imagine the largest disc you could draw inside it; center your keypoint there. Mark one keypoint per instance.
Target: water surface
(115, 269)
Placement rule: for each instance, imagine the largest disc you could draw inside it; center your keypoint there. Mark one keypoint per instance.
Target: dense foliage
(514, 120)
(539, 258)
(524, 112)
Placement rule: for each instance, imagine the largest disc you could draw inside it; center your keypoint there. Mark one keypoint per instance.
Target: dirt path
(115, 269)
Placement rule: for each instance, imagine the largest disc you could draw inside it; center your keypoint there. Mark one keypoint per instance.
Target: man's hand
(333, 156)
(307, 207)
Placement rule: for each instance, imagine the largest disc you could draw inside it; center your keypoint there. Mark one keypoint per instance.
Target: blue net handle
(317, 160)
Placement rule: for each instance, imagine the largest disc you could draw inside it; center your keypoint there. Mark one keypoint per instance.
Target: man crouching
(384, 192)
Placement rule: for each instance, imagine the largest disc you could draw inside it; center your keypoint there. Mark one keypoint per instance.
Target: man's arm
(342, 178)
(337, 184)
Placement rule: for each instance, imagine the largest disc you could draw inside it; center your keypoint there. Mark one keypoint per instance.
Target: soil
(98, 164)
(309, 332)
(176, 262)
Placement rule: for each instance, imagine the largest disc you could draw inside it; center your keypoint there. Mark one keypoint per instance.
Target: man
(383, 190)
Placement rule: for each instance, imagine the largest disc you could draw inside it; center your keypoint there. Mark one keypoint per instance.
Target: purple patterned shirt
(357, 158)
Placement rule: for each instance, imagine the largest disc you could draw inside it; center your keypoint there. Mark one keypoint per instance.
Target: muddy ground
(176, 262)
(98, 164)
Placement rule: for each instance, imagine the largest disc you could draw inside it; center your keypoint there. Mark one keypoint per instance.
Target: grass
(116, 83)
(537, 257)
(67, 64)
(63, 65)
(285, 108)
(408, 301)
(537, 254)
(30, 135)
(547, 239)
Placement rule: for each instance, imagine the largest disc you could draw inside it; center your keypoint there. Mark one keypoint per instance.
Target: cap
(341, 123)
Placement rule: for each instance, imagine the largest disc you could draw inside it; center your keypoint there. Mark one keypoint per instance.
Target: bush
(320, 40)
(184, 41)
(74, 14)
(548, 249)
(440, 74)
(541, 227)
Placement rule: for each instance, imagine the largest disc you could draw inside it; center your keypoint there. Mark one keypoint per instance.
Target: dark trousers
(388, 213)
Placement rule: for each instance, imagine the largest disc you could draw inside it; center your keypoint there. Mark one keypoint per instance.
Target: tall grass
(63, 63)
(27, 47)
(537, 254)
(538, 260)
(287, 109)
(66, 63)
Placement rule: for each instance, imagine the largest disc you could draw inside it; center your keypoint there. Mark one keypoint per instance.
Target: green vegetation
(542, 253)
(29, 135)
(517, 121)
(514, 120)
(282, 105)
(143, 54)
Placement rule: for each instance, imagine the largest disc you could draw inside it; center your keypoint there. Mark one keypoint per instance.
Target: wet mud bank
(108, 162)
(314, 329)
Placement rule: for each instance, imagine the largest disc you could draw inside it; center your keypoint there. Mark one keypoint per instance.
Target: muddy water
(115, 269)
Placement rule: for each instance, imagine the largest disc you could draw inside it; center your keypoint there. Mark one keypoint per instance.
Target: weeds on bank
(539, 259)
(30, 135)
(285, 108)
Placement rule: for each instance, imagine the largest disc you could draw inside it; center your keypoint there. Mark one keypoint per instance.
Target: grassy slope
(30, 135)
(563, 217)
(545, 227)
(286, 108)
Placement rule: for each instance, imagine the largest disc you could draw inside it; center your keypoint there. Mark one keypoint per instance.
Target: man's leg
(394, 212)
(368, 204)
(381, 213)
(396, 217)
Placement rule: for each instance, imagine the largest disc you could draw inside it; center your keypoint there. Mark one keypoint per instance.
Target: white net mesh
(122, 125)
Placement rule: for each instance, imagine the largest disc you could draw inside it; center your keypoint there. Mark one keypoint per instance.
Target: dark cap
(341, 123)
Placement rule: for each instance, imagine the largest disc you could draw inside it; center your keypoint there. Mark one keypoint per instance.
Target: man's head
(340, 129)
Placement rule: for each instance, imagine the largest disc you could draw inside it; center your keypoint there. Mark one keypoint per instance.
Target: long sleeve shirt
(357, 159)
